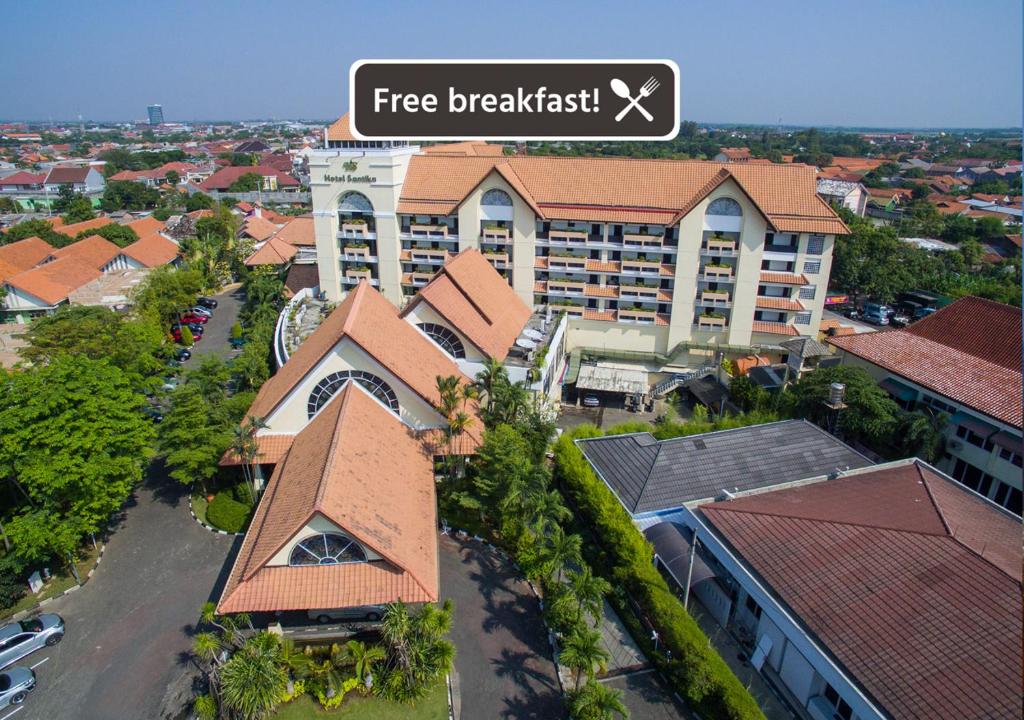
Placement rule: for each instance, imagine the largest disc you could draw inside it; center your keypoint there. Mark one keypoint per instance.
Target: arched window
(327, 549)
(354, 202)
(444, 337)
(326, 388)
(496, 197)
(724, 206)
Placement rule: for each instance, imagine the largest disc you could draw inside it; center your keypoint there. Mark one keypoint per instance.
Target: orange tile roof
(94, 251)
(470, 294)
(777, 303)
(357, 465)
(773, 328)
(72, 230)
(611, 266)
(258, 228)
(25, 254)
(597, 291)
(341, 130)
(153, 250)
(270, 449)
(968, 351)
(52, 282)
(606, 315)
(146, 226)
(369, 320)
(298, 231)
(781, 278)
(786, 194)
(272, 252)
(467, 147)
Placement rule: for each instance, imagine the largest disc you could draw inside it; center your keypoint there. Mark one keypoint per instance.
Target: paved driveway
(217, 332)
(647, 697)
(502, 659)
(129, 627)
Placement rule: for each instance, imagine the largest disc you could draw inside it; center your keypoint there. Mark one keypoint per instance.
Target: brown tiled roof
(341, 130)
(606, 315)
(270, 449)
(298, 231)
(272, 252)
(153, 250)
(781, 278)
(357, 465)
(52, 282)
(302, 275)
(611, 266)
(370, 321)
(597, 291)
(23, 178)
(94, 251)
(258, 228)
(577, 186)
(909, 580)
(777, 303)
(470, 294)
(467, 147)
(67, 175)
(72, 230)
(773, 328)
(225, 177)
(968, 352)
(146, 226)
(25, 254)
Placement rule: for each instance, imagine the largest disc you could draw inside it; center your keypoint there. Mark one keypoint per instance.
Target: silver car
(15, 685)
(26, 636)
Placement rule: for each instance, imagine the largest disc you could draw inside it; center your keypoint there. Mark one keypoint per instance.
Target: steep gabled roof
(94, 251)
(67, 175)
(25, 254)
(477, 301)
(298, 231)
(152, 250)
(72, 230)
(361, 468)
(908, 579)
(258, 228)
(52, 282)
(272, 252)
(146, 226)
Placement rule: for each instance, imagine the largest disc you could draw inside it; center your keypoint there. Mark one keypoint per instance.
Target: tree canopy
(120, 235)
(128, 195)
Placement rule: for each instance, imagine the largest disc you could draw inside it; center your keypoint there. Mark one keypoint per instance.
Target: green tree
(595, 701)
(919, 434)
(73, 440)
(419, 653)
(363, 658)
(7, 205)
(957, 228)
(165, 292)
(35, 228)
(870, 413)
(989, 227)
(254, 680)
(588, 591)
(76, 208)
(583, 653)
(971, 251)
(199, 201)
(120, 235)
(128, 195)
(173, 177)
(748, 395)
(248, 182)
(191, 439)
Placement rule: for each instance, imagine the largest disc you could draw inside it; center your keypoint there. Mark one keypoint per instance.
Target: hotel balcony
(638, 315)
(434, 232)
(775, 248)
(640, 240)
(572, 287)
(724, 247)
(495, 234)
(359, 273)
(571, 309)
(711, 322)
(435, 255)
(569, 237)
(715, 298)
(354, 230)
(717, 273)
(355, 251)
(495, 256)
(645, 266)
(577, 262)
(627, 291)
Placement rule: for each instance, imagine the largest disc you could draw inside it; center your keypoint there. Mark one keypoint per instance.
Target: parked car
(26, 636)
(15, 685)
(200, 310)
(923, 312)
(170, 384)
(591, 401)
(194, 327)
(192, 319)
(899, 320)
(197, 335)
(366, 613)
(207, 302)
(876, 314)
(182, 354)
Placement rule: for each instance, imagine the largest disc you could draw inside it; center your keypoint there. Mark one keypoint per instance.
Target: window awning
(1009, 441)
(673, 550)
(898, 390)
(974, 424)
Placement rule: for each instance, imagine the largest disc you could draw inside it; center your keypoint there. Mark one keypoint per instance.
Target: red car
(176, 334)
(192, 318)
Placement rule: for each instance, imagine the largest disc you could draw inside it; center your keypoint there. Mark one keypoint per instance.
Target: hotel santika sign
(350, 167)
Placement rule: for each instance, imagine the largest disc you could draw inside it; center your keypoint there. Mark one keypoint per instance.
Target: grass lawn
(356, 707)
(199, 504)
(58, 583)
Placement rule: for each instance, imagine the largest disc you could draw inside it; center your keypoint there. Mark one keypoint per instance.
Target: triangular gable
(719, 178)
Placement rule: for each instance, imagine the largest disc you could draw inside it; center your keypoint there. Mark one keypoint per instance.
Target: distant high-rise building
(156, 114)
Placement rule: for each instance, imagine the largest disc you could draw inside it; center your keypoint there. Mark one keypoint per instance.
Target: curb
(208, 527)
(463, 535)
(22, 614)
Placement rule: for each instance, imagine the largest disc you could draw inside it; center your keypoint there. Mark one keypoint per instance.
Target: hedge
(227, 513)
(697, 672)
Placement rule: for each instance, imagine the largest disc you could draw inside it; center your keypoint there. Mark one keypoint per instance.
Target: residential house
(85, 179)
(851, 195)
(271, 179)
(733, 155)
(962, 362)
(22, 182)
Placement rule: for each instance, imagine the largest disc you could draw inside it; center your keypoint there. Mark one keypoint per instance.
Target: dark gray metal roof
(649, 475)
(673, 549)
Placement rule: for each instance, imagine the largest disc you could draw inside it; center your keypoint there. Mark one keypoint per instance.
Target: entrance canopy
(612, 379)
(673, 550)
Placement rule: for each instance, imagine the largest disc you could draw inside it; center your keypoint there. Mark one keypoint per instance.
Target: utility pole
(689, 571)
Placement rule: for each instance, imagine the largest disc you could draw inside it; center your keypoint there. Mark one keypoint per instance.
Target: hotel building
(644, 256)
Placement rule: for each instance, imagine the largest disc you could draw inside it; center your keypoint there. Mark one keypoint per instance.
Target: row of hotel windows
(981, 482)
(987, 445)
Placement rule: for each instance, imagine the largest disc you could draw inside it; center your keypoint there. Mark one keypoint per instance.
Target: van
(876, 314)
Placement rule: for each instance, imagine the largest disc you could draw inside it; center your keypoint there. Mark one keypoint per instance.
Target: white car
(15, 685)
(26, 636)
(366, 613)
(200, 310)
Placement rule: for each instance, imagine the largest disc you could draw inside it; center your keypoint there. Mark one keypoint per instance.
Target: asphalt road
(217, 332)
(502, 657)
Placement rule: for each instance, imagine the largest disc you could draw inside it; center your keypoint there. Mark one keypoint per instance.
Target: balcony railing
(568, 236)
(354, 230)
(568, 309)
(641, 266)
(495, 256)
(718, 246)
(627, 291)
(642, 240)
(573, 286)
(358, 273)
(710, 322)
(717, 272)
(419, 253)
(360, 251)
(711, 297)
(780, 248)
(440, 231)
(564, 261)
(495, 234)
(637, 314)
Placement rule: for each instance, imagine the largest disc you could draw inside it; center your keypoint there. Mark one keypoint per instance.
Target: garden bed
(61, 581)
(357, 707)
(229, 511)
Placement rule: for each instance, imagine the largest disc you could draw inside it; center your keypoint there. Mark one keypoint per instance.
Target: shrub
(227, 513)
(12, 584)
(186, 336)
(696, 671)
(236, 330)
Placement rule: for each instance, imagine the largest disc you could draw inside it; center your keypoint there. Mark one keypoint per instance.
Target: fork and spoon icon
(621, 89)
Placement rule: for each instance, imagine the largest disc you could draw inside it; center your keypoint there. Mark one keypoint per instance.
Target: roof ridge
(932, 498)
(724, 506)
(650, 471)
(342, 396)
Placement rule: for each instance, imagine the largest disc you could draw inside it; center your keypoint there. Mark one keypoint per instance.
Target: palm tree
(327, 673)
(244, 445)
(595, 701)
(363, 658)
(561, 550)
(588, 590)
(510, 401)
(493, 375)
(253, 681)
(418, 652)
(228, 625)
(583, 654)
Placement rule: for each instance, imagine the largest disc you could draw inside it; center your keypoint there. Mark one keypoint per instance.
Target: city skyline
(779, 63)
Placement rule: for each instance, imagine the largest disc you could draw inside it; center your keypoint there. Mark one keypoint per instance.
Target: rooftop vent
(700, 445)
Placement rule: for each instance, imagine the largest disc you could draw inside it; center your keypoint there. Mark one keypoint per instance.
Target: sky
(871, 63)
